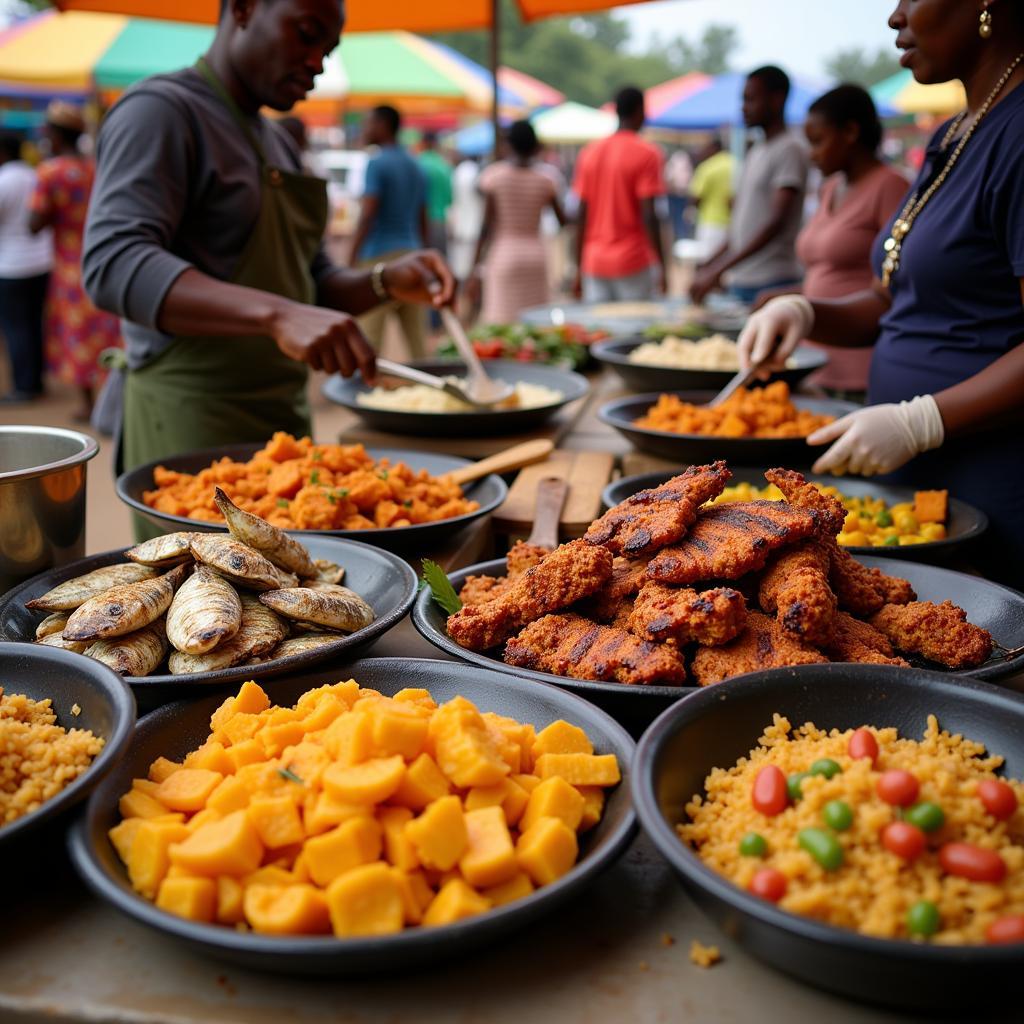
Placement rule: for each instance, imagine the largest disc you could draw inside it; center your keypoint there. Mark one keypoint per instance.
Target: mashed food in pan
(716, 352)
(420, 398)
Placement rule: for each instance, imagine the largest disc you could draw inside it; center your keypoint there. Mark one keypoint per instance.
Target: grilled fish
(74, 593)
(284, 551)
(126, 609)
(327, 572)
(56, 640)
(205, 612)
(260, 632)
(301, 644)
(163, 552)
(345, 611)
(239, 563)
(53, 623)
(135, 654)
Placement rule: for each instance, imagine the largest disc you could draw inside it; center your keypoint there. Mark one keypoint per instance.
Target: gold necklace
(914, 205)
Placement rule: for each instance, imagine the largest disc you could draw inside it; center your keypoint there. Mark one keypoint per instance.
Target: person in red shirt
(619, 254)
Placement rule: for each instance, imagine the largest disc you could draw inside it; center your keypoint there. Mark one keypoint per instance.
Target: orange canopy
(362, 15)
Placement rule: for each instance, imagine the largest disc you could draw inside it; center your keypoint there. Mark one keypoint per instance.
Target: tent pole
(495, 63)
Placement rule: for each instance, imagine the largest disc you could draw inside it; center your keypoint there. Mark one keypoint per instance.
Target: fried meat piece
(763, 644)
(795, 588)
(570, 645)
(939, 632)
(624, 583)
(853, 640)
(894, 589)
(827, 508)
(571, 572)
(661, 515)
(728, 541)
(681, 614)
(521, 556)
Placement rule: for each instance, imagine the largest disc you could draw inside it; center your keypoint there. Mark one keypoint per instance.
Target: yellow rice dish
(923, 842)
(420, 398)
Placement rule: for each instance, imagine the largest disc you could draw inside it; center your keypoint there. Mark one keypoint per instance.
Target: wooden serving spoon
(525, 454)
(547, 514)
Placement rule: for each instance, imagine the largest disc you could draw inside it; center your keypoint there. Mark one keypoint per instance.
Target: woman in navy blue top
(947, 374)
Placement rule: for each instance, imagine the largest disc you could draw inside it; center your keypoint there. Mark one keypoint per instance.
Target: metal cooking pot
(42, 499)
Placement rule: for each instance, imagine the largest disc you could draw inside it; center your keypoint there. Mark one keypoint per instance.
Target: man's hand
(660, 279)
(422, 277)
(322, 338)
(705, 281)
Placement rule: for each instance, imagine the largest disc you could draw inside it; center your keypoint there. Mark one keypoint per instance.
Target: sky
(796, 34)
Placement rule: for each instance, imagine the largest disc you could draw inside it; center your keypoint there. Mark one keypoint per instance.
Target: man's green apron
(207, 391)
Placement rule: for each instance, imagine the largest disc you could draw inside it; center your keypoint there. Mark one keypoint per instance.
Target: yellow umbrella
(904, 93)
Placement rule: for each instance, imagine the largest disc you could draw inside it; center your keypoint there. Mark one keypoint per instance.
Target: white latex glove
(880, 438)
(771, 334)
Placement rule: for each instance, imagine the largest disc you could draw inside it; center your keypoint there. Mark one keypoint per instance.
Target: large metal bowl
(42, 499)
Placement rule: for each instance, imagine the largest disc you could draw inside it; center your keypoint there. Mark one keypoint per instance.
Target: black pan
(994, 607)
(965, 523)
(178, 728)
(700, 448)
(490, 492)
(641, 377)
(384, 580)
(478, 423)
(106, 708)
(716, 726)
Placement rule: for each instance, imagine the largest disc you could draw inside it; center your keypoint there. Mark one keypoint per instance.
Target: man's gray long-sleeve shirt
(177, 186)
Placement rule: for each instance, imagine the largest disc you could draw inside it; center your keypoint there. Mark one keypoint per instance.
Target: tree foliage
(861, 68)
(590, 58)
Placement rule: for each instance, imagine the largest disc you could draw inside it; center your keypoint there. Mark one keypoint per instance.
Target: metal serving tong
(739, 380)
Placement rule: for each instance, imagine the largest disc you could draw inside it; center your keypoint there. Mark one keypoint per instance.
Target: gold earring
(985, 24)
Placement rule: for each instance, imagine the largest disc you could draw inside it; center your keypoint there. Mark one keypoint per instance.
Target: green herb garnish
(317, 455)
(314, 477)
(407, 503)
(287, 773)
(383, 474)
(332, 499)
(441, 588)
(282, 503)
(343, 493)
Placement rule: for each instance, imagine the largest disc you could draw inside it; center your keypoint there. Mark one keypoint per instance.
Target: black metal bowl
(615, 353)
(716, 726)
(964, 525)
(381, 578)
(490, 492)
(699, 448)
(478, 423)
(178, 728)
(106, 708)
(989, 605)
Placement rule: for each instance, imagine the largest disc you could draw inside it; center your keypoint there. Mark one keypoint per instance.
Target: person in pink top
(857, 199)
(619, 255)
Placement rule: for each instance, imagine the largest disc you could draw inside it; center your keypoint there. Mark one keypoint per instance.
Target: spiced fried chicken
(682, 615)
(624, 583)
(853, 640)
(661, 515)
(939, 632)
(795, 588)
(827, 508)
(571, 572)
(728, 541)
(569, 645)
(521, 556)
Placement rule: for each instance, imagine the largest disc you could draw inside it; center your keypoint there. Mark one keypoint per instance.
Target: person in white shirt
(25, 261)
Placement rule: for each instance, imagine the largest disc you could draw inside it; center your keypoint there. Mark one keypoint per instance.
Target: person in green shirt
(711, 188)
(439, 192)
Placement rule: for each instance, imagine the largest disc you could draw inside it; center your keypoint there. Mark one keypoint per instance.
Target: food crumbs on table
(704, 956)
(644, 965)
(76, 710)
(667, 940)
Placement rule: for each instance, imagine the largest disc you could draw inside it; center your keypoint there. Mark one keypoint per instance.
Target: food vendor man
(204, 235)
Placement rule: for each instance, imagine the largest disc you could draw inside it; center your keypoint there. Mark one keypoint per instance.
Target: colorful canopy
(906, 95)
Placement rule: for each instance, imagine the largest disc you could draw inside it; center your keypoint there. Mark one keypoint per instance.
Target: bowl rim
(615, 351)
(226, 938)
(90, 448)
(685, 861)
(120, 699)
(220, 451)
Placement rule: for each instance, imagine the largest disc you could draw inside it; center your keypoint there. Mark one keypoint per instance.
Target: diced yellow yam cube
(547, 850)
(321, 812)
(370, 782)
(593, 806)
(161, 768)
(366, 901)
(349, 739)
(245, 753)
(269, 874)
(136, 804)
(229, 900)
(562, 738)
(398, 848)
(465, 750)
(284, 856)
(277, 821)
(351, 844)
(489, 858)
(276, 737)
(251, 699)
(417, 695)
(222, 716)
(439, 834)
(516, 734)
(327, 709)
(398, 730)
(514, 889)
(307, 760)
(515, 802)
(148, 857)
(300, 869)
(580, 769)
(122, 835)
(175, 872)
(528, 782)
(240, 727)
(231, 795)
(230, 846)
(191, 898)
(931, 506)
(212, 756)
(554, 798)
(348, 691)
(411, 906)
(203, 817)
(148, 787)
(188, 789)
(486, 796)
(265, 779)
(455, 901)
(422, 784)
(286, 909)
